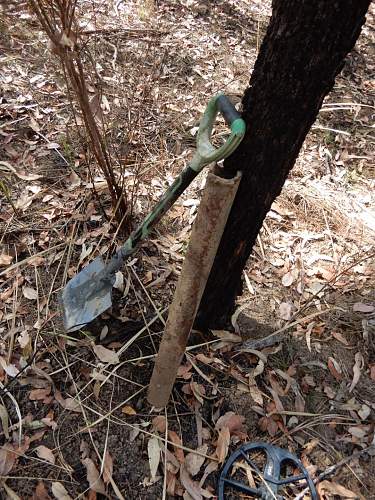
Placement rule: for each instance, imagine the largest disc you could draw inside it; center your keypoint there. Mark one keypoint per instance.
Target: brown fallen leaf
(286, 310)
(336, 489)
(106, 355)
(8, 458)
(171, 484)
(194, 462)
(39, 394)
(193, 487)
(11, 494)
(4, 417)
(232, 421)
(364, 308)
(159, 423)
(128, 410)
(289, 277)
(108, 467)
(268, 424)
(204, 359)
(227, 336)
(198, 391)
(9, 453)
(95, 482)
(357, 369)
(184, 371)
(5, 259)
(335, 368)
(30, 293)
(178, 451)
(209, 469)
(340, 337)
(40, 492)
(45, 453)
(153, 449)
(68, 403)
(255, 392)
(222, 445)
(59, 492)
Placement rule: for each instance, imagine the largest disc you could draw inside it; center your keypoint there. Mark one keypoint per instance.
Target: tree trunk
(303, 51)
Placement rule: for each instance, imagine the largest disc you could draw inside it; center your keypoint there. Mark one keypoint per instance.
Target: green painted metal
(89, 293)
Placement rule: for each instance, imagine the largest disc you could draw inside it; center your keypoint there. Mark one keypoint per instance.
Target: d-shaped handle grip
(227, 109)
(206, 152)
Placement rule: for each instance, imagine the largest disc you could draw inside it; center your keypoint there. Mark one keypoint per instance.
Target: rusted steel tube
(205, 237)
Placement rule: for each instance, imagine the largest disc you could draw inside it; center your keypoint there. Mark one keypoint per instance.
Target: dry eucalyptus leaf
(93, 477)
(128, 410)
(23, 339)
(194, 462)
(40, 492)
(357, 368)
(340, 337)
(106, 355)
(104, 332)
(232, 421)
(8, 458)
(24, 201)
(39, 394)
(364, 308)
(153, 449)
(286, 310)
(59, 492)
(68, 403)
(288, 278)
(159, 423)
(335, 489)
(85, 252)
(5, 260)
(108, 467)
(222, 445)
(74, 181)
(173, 436)
(358, 432)
(4, 417)
(255, 392)
(119, 281)
(227, 336)
(45, 453)
(30, 293)
(193, 487)
(9, 368)
(334, 368)
(11, 495)
(364, 412)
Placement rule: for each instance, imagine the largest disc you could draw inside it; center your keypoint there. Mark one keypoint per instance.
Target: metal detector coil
(270, 479)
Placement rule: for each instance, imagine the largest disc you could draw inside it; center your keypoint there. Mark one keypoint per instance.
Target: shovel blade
(86, 295)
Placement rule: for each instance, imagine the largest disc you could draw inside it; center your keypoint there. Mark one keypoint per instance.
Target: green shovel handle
(206, 153)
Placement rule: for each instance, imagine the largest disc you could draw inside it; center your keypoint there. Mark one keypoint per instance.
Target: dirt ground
(87, 429)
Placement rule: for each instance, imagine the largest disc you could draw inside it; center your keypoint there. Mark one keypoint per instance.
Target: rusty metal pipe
(205, 237)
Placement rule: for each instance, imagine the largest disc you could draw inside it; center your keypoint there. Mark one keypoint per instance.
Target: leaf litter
(314, 256)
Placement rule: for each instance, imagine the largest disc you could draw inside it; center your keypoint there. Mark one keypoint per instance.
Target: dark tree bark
(303, 51)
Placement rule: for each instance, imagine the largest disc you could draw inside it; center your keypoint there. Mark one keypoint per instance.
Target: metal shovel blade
(87, 295)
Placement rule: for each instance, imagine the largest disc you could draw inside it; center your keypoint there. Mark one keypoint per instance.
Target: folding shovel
(89, 294)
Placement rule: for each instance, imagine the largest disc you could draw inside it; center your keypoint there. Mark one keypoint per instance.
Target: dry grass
(157, 66)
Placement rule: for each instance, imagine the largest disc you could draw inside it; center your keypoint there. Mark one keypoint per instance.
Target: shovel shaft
(143, 230)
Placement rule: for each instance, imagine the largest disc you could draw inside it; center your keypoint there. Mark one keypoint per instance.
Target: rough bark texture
(303, 51)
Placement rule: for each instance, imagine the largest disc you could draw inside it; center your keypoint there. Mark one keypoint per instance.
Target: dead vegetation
(74, 418)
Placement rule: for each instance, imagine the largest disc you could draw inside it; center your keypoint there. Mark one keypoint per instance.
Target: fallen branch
(333, 468)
